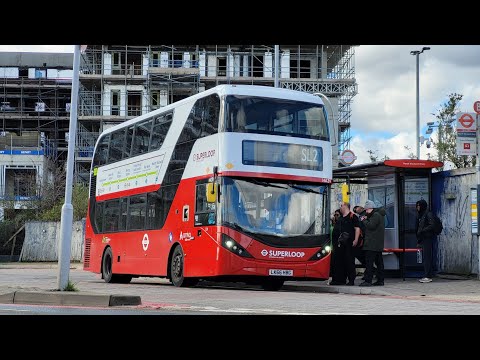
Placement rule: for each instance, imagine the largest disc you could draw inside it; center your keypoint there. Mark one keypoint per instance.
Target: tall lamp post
(417, 53)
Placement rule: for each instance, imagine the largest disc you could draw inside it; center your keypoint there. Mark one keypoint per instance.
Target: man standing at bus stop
(374, 242)
(345, 233)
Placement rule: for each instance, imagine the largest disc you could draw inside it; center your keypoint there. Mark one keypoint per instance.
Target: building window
(116, 102)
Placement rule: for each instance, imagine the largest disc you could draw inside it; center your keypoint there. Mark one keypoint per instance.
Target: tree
(373, 154)
(410, 155)
(446, 145)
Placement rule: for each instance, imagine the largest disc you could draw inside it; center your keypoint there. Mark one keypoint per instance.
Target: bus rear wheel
(176, 270)
(107, 273)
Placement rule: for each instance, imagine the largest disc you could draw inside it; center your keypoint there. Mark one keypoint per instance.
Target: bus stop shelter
(395, 185)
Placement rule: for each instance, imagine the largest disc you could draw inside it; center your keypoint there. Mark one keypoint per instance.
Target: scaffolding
(118, 82)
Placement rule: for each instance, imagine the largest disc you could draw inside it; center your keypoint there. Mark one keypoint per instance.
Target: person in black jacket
(343, 260)
(424, 231)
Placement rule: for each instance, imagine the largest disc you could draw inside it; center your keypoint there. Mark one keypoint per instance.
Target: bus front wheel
(176, 270)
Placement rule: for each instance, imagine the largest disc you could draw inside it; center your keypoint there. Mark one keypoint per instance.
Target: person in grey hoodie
(374, 243)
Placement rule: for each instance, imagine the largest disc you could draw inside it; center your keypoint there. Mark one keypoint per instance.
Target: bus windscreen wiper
(264, 183)
(304, 189)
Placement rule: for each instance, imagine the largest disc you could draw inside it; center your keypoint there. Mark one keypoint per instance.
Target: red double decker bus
(230, 184)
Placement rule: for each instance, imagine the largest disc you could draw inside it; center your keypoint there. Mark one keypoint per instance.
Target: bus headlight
(234, 247)
(321, 253)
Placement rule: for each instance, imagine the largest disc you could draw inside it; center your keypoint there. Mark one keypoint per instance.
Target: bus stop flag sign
(348, 157)
(466, 134)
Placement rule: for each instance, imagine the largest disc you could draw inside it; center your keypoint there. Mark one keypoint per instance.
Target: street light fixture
(417, 53)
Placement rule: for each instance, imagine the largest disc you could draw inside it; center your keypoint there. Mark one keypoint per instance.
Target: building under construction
(35, 103)
(119, 82)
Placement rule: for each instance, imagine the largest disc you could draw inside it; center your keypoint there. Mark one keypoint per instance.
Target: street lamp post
(417, 53)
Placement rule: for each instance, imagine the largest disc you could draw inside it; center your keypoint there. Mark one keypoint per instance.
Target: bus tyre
(272, 284)
(107, 265)
(107, 274)
(176, 270)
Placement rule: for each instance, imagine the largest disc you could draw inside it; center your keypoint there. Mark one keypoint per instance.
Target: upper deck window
(275, 116)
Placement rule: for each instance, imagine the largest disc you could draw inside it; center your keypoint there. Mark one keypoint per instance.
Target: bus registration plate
(278, 272)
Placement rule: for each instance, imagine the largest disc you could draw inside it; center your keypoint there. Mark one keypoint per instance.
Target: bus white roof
(231, 89)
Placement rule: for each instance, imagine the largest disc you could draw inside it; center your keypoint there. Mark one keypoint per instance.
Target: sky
(383, 118)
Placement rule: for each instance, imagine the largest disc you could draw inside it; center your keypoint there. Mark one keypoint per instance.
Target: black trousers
(343, 264)
(374, 257)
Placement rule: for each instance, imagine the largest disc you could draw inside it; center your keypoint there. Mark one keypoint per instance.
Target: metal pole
(418, 111)
(277, 63)
(477, 168)
(440, 141)
(67, 208)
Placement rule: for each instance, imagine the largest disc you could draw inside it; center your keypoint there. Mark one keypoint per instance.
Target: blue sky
(384, 110)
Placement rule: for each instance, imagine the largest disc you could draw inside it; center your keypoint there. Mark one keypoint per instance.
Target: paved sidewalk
(32, 290)
(15, 292)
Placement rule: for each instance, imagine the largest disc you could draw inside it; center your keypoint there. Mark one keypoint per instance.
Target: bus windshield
(275, 116)
(273, 208)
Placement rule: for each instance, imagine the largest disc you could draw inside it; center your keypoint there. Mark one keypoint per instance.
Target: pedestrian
(374, 243)
(358, 250)
(424, 231)
(344, 236)
(333, 220)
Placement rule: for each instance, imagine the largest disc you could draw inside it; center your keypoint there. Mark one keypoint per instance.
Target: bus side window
(154, 211)
(117, 144)
(210, 115)
(128, 142)
(101, 153)
(122, 226)
(141, 137)
(111, 215)
(160, 129)
(137, 212)
(99, 217)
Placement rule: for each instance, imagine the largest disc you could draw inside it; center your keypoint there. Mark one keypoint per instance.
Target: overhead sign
(347, 157)
(476, 107)
(413, 163)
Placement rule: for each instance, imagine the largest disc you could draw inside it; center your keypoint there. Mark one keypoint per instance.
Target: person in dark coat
(424, 231)
(374, 243)
(343, 260)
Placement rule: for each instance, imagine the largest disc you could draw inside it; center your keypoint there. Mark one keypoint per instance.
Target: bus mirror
(211, 192)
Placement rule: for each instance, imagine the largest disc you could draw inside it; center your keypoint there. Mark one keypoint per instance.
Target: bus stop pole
(67, 208)
(477, 168)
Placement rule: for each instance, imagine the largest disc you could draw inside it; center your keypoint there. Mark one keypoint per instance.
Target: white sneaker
(425, 280)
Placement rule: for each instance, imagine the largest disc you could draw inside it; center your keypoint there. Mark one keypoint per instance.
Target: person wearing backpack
(425, 232)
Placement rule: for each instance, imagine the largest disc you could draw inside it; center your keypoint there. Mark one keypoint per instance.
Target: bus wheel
(176, 270)
(272, 284)
(107, 265)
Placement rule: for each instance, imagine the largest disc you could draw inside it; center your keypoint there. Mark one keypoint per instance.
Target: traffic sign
(348, 157)
(476, 107)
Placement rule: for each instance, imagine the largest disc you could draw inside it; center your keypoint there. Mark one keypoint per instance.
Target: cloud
(384, 110)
